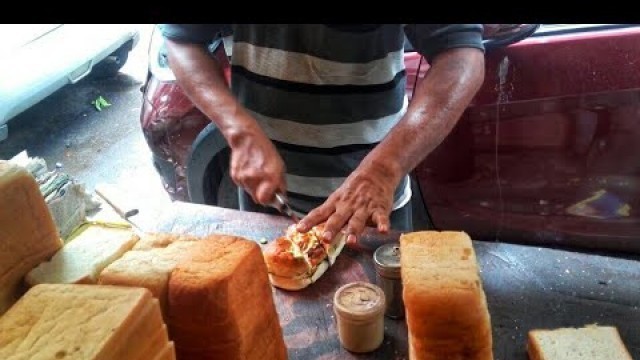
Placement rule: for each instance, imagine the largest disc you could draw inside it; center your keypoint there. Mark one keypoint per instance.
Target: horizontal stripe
(318, 165)
(303, 203)
(312, 185)
(317, 109)
(330, 135)
(324, 42)
(291, 86)
(338, 150)
(303, 68)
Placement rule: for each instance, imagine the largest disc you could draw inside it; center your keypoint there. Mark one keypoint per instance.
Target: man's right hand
(257, 167)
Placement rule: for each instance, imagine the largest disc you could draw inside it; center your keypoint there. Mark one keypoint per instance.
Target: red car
(547, 152)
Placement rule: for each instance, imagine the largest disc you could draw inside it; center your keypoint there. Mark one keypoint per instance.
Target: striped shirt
(326, 95)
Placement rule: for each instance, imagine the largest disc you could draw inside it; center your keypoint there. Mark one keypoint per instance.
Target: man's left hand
(366, 196)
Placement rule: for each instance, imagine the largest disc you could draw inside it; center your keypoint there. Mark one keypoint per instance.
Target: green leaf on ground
(100, 103)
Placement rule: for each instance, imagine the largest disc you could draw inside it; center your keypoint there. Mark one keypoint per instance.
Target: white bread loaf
(588, 343)
(217, 295)
(82, 259)
(28, 234)
(71, 321)
(446, 309)
(242, 322)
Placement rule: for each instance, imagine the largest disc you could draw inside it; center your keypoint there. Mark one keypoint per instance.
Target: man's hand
(366, 197)
(257, 167)
(255, 164)
(438, 102)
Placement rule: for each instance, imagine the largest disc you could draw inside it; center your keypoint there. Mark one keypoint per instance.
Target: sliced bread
(588, 343)
(81, 260)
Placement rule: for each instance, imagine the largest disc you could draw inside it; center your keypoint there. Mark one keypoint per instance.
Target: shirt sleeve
(432, 39)
(194, 33)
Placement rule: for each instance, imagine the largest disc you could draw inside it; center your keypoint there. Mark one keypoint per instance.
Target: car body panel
(547, 153)
(48, 57)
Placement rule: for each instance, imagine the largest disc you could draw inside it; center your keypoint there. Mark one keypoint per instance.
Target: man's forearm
(201, 78)
(437, 104)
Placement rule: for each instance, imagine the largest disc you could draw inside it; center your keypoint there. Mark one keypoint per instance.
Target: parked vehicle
(38, 59)
(546, 153)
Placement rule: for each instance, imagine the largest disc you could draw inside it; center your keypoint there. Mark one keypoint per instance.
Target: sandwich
(296, 260)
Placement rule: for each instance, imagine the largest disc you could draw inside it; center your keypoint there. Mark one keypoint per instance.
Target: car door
(548, 151)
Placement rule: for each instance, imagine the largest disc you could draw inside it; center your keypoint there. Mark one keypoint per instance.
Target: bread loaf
(28, 234)
(81, 260)
(446, 309)
(91, 322)
(216, 293)
(588, 343)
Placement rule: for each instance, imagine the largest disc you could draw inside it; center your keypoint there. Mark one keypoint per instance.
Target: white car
(38, 59)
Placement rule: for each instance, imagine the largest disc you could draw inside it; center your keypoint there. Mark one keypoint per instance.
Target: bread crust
(446, 309)
(281, 261)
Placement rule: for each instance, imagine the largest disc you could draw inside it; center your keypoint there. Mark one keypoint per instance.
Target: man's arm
(438, 102)
(255, 163)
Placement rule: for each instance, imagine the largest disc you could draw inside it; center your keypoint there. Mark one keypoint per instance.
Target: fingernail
(383, 228)
(351, 238)
(327, 235)
(301, 227)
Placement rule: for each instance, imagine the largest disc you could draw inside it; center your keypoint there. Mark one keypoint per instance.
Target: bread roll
(297, 260)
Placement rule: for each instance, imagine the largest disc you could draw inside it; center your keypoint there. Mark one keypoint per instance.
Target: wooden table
(527, 287)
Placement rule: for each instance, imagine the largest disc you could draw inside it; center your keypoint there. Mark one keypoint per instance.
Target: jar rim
(370, 313)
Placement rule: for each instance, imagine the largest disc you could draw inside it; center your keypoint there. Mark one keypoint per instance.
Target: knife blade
(280, 203)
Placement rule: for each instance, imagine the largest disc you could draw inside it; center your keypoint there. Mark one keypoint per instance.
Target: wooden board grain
(527, 287)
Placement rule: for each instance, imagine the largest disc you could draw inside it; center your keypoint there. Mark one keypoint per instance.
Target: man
(319, 112)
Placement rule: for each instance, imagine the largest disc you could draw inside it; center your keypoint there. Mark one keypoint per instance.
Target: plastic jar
(387, 262)
(359, 309)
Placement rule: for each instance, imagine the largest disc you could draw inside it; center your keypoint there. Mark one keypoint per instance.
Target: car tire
(208, 179)
(111, 65)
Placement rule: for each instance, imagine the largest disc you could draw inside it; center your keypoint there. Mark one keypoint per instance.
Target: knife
(280, 203)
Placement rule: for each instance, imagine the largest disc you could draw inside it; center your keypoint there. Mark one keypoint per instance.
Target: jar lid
(387, 260)
(359, 301)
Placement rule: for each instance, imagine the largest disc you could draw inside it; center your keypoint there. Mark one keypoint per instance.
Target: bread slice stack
(72, 321)
(82, 259)
(588, 343)
(446, 308)
(28, 234)
(215, 293)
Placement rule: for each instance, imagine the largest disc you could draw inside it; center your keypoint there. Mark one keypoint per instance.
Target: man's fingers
(381, 218)
(316, 216)
(356, 225)
(265, 193)
(335, 223)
